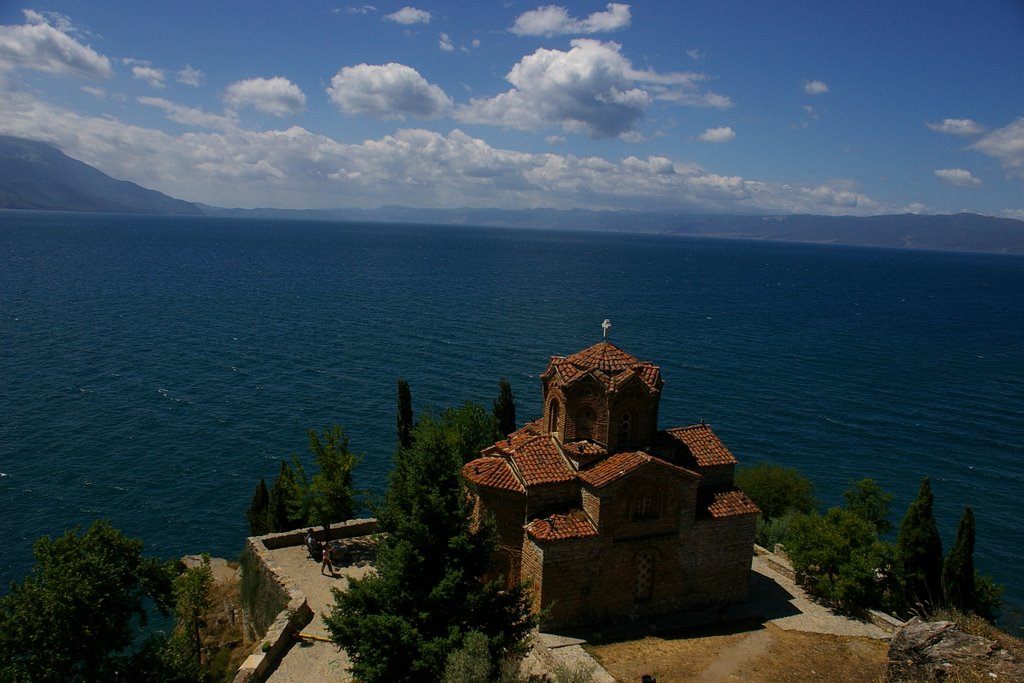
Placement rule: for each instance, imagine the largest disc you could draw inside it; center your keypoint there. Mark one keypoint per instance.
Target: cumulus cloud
(190, 116)
(190, 76)
(591, 89)
(957, 127)
(155, 77)
(1005, 144)
(815, 87)
(957, 176)
(296, 168)
(551, 20)
(445, 43)
(387, 91)
(408, 16)
(723, 134)
(41, 46)
(277, 96)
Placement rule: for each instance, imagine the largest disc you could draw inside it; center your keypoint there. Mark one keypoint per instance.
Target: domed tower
(603, 395)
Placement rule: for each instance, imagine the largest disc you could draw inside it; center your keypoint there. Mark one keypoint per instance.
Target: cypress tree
(919, 552)
(405, 424)
(958, 569)
(259, 517)
(403, 621)
(283, 500)
(505, 408)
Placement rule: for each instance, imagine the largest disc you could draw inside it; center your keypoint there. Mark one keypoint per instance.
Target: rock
(928, 650)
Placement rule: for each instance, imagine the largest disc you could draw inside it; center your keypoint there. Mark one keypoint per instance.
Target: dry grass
(765, 655)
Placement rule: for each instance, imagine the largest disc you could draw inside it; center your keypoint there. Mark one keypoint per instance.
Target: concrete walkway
(773, 598)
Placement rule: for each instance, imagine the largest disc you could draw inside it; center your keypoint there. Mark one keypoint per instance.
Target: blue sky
(691, 105)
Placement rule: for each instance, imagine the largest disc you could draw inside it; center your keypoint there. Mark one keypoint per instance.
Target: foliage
(776, 489)
(866, 499)
(775, 530)
(505, 408)
(259, 514)
(958, 567)
(471, 663)
(402, 622)
(191, 602)
(919, 552)
(282, 494)
(75, 616)
(840, 557)
(988, 597)
(405, 423)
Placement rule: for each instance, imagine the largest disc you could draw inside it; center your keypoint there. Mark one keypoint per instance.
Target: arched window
(585, 423)
(553, 415)
(644, 575)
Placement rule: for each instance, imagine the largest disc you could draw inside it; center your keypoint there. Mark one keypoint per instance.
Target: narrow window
(553, 416)
(626, 427)
(644, 575)
(643, 506)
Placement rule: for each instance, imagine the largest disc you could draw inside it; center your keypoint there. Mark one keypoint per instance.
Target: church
(605, 515)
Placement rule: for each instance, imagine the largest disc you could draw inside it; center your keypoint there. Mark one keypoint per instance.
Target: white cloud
(695, 54)
(957, 127)
(277, 96)
(359, 9)
(590, 89)
(957, 176)
(98, 93)
(388, 91)
(815, 87)
(409, 15)
(551, 20)
(190, 76)
(41, 46)
(296, 168)
(190, 116)
(723, 134)
(445, 43)
(155, 77)
(1007, 145)
(1017, 214)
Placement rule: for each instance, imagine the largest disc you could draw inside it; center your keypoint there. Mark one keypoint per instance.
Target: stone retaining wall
(270, 592)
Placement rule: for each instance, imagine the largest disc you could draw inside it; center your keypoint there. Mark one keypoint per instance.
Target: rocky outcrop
(929, 650)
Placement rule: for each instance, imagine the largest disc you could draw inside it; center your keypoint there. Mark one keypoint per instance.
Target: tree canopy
(505, 408)
(919, 551)
(402, 622)
(74, 618)
(776, 489)
(867, 500)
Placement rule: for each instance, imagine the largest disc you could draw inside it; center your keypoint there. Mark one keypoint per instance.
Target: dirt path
(751, 647)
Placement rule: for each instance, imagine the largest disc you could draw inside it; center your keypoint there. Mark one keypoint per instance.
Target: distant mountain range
(35, 175)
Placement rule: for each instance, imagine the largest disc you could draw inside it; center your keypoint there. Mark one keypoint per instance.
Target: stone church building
(605, 515)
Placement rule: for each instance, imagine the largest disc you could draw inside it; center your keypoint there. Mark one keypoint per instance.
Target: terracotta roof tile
(539, 461)
(732, 503)
(608, 364)
(706, 448)
(574, 524)
(493, 473)
(614, 467)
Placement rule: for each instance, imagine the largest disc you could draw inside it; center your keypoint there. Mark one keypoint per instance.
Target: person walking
(326, 564)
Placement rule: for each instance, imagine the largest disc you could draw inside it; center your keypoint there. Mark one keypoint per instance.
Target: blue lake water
(152, 369)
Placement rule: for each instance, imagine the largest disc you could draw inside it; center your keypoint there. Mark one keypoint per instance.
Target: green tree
(958, 568)
(259, 514)
(75, 617)
(919, 552)
(192, 601)
(841, 558)
(505, 408)
(866, 499)
(284, 495)
(776, 489)
(332, 497)
(405, 423)
(428, 592)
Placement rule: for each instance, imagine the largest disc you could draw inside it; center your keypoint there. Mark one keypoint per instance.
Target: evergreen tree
(283, 495)
(428, 593)
(958, 569)
(405, 424)
(867, 500)
(505, 408)
(77, 615)
(259, 514)
(919, 552)
(332, 497)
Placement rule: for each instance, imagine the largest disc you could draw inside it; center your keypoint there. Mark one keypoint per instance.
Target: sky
(702, 106)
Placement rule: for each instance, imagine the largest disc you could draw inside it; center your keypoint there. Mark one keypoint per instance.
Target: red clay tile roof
(608, 364)
(539, 462)
(588, 448)
(574, 524)
(493, 473)
(706, 448)
(732, 503)
(621, 464)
